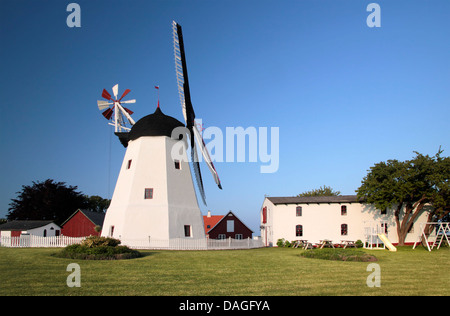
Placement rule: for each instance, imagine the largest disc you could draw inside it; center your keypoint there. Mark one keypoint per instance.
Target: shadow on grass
(339, 255)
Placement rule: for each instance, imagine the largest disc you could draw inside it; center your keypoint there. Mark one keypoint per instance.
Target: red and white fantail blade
(128, 111)
(103, 104)
(129, 101)
(106, 95)
(125, 93)
(115, 90)
(108, 113)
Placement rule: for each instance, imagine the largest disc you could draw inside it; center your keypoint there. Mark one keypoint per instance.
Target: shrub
(98, 248)
(97, 241)
(280, 242)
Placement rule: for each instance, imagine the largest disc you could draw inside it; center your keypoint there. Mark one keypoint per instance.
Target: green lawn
(266, 271)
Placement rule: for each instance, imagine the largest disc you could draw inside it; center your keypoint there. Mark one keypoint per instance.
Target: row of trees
(50, 200)
(407, 187)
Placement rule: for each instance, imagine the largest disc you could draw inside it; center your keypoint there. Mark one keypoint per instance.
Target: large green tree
(96, 203)
(50, 200)
(322, 191)
(408, 187)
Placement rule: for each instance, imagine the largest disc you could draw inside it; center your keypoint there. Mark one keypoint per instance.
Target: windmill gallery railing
(26, 241)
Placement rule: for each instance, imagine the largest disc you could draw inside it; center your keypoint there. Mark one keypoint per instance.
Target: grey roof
(315, 199)
(23, 224)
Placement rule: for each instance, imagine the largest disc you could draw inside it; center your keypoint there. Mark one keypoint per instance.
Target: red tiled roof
(211, 221)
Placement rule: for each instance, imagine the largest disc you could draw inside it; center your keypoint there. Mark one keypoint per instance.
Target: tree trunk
(410, 216)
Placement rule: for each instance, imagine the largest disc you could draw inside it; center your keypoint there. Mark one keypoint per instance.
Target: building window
(230, 226)
(384, 212)
(111, 231)
(45, 233)
(344, 210)
(299, 231)
(238, 236)
(129, 164)
(148, 193)
(187, 230)
(221, 236)
(385, 227)
(298, 211)
(177, 164)
(344, 230)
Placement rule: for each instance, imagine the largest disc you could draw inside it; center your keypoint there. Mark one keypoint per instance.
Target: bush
(98, 248)
(280, 242)
(284, 243)
(97, 241)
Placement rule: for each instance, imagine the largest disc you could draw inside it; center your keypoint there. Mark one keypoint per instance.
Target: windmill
(122, 115)
(155, 197)
(188, 111)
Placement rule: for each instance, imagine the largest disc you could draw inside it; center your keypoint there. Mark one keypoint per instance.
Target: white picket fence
(38, 241)
(193, 244)
(168, 244)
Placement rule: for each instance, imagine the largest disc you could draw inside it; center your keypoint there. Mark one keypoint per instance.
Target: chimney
(209, 214)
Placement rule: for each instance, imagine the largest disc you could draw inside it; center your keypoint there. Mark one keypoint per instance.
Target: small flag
(157, 87)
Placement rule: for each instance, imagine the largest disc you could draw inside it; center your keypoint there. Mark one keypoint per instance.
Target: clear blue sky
(344, 96)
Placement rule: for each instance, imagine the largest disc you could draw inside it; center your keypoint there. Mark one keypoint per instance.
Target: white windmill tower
(154, 197)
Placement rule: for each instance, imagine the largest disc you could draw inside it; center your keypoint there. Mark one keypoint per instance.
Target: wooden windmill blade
(207, 157)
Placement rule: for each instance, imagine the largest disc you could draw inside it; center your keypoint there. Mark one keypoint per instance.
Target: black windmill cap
(156, 124)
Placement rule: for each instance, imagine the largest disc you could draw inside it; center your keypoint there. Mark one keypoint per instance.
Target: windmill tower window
(148, 193)
(187, 230)
(129, 164)
(177, 164)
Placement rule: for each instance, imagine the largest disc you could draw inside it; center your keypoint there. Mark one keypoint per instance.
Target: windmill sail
(188, 110)
(206, 156)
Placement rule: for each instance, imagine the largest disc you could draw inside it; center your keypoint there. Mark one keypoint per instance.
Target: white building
(154, 197)
(26, 227)
(335, 218)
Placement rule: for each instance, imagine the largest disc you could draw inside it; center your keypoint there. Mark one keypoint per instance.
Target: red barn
(222, 227)
(82, 223)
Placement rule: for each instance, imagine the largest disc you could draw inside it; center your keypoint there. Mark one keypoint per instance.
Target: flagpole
(157, 88)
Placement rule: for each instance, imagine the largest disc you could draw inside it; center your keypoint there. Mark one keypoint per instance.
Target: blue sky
(344, 96)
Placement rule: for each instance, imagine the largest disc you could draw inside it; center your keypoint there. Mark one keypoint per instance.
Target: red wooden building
(222, 227)
(82, 223)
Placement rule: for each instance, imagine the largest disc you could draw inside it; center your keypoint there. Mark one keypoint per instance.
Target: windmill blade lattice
(188, 110)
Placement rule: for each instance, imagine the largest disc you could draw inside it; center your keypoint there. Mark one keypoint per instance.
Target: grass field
(266, 271)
